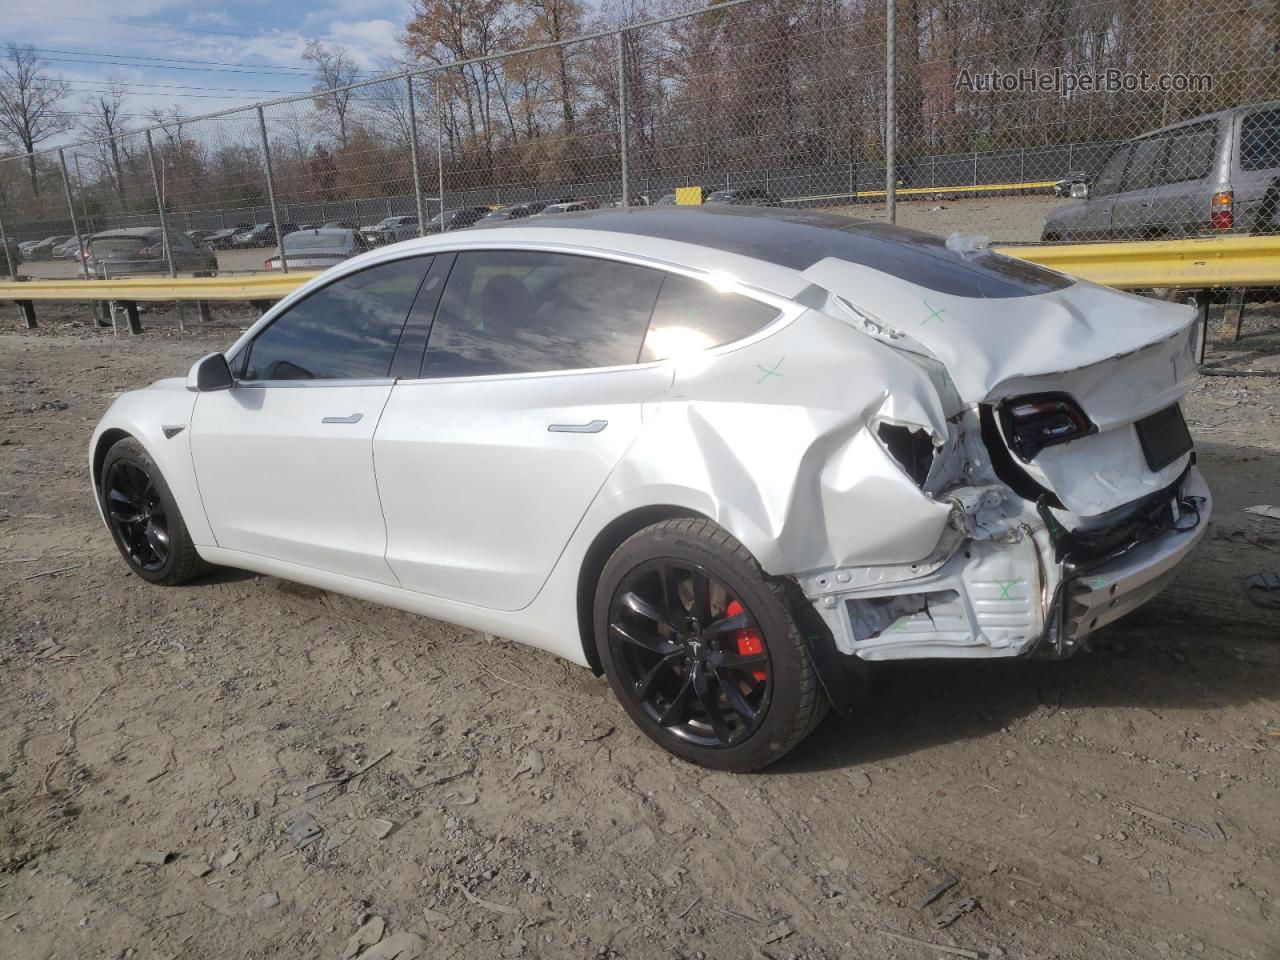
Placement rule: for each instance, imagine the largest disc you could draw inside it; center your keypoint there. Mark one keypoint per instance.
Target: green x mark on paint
(1007, 585)
(1097, 582)
(933, 314)
(771, 371)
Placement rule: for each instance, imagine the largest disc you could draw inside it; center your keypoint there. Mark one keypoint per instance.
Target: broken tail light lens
(1035, 422)
(1221, 214)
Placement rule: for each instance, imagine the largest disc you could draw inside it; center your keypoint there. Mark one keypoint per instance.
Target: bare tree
(334, 68)
(105, 124)
(29, 100)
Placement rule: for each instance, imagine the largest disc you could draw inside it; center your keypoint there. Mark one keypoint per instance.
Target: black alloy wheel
(137, 515)
(690, 653)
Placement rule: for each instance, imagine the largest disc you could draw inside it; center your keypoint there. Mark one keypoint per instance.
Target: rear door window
(1260, 141)
(691, 315)
(347, 330)
(515, 311)
(1191, 152)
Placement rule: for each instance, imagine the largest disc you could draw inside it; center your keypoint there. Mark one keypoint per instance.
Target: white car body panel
(458, 503)
(481, 492)
(277, 481)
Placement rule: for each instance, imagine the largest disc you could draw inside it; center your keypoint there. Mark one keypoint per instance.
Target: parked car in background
(750, 196)
(1213, 174)
(635, 200)
(224, 239)
(1063, 187)
(391, 230)
(44, 249)
(261, 235)
(141, 250)
(200, 236)
(26, 245)
(456, 219)
(516, 211)
(70, 248)
(558, 431)
(340, 225)
(318, 249)
(572, 206)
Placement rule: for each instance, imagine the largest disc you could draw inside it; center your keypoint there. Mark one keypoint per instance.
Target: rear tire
(701, 649)
(144, 519)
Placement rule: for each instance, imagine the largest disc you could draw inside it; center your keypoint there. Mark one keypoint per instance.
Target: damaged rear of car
(949, 453)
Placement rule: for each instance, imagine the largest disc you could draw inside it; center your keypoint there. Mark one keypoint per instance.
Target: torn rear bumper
(1105, 591)
(1012, 596)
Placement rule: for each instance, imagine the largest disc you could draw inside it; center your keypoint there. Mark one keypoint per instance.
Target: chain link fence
(1079, 121)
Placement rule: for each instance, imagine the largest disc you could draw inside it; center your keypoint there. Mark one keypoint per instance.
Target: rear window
(1260, 141)
(691, 315)
(314, 241)
(508, 311)
(119, 246)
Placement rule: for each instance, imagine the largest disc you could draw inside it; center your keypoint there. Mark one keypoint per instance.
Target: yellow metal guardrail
(1193, 264)
(930, 191)
(258, 286)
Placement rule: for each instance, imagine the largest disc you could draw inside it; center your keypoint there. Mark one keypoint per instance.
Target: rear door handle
(353, 418)
(595, 426)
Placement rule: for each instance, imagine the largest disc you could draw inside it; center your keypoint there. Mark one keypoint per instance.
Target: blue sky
(205, 57)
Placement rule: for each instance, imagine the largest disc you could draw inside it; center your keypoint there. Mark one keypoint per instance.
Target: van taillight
(1034, 422)
(1220, 210)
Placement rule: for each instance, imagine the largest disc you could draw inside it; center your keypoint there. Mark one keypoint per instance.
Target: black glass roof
(800, 238)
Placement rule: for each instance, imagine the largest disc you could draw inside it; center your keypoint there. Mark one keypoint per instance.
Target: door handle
(353, 418)
(595, 426)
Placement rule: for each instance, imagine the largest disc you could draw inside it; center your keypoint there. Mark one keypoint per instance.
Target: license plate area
(1164, 437)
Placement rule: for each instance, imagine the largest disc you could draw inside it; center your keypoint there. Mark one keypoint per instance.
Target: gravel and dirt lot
(158, 746)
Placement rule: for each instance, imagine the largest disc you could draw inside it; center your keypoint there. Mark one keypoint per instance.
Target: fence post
(71, 206)
(890, 112)
(8, 254)
(622, 117)
(440, 153)
(271, 190)
(164, 219)
(413, 158)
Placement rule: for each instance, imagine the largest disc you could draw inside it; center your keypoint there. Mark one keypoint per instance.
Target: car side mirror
(1079, 191)
(210, 373)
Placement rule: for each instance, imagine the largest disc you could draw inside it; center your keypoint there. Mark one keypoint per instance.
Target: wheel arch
(610, 537)
(106, 440)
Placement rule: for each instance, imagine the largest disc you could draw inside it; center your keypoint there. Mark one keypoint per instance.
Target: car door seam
(377, 487)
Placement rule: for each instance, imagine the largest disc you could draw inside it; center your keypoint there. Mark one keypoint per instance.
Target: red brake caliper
(749, 641)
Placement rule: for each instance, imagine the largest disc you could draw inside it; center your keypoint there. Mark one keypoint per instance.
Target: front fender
(146, 415)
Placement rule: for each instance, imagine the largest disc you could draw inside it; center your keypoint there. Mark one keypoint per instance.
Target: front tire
(143, 517)
(701, 649)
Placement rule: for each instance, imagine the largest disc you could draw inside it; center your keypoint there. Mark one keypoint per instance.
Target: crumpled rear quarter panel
(773, 441)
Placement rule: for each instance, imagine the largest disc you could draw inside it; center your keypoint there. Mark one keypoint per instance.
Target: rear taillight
(1043, 420)
(1221, 216)
(267, 265)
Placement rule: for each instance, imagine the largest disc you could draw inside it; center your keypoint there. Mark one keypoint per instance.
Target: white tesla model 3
(723, 456)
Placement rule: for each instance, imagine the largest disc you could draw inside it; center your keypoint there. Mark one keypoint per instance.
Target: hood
(986, 343)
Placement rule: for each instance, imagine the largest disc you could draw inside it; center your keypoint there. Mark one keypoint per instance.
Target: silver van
(1218, 173)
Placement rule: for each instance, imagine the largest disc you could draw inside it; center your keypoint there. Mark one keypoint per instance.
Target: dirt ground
(155, 744)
